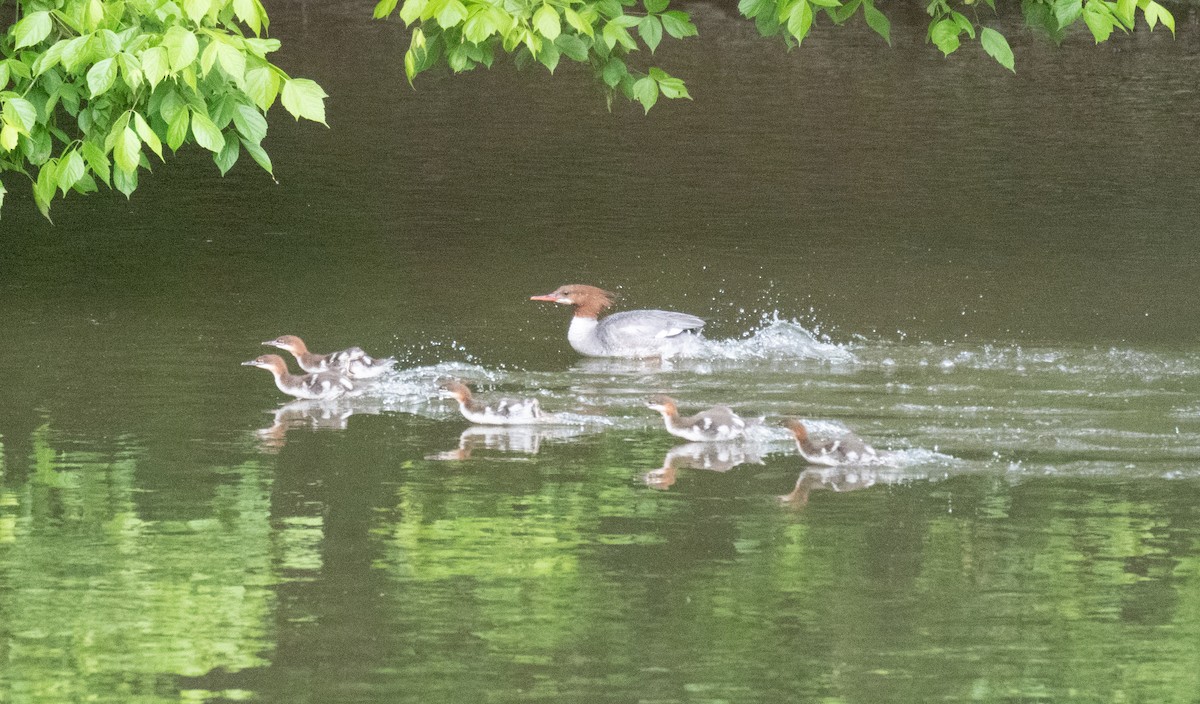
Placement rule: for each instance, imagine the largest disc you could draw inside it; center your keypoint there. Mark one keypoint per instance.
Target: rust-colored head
(797, 428)
(589, 301)
(291, 343)
(455, 389)
(272, 362)
(662, 404)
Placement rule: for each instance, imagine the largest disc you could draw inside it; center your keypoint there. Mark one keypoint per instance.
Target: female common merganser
(506, 411)
(716, 424)
(321, 386)
(353, 362)
(848, 449)
(635, 333)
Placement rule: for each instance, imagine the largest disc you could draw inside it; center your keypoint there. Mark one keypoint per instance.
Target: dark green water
(991, 277)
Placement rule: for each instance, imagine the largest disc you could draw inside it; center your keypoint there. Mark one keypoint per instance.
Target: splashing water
(774, 339)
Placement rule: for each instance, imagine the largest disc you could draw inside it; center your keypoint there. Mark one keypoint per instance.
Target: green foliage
(88, 86)
(468, 33)
(602, 34)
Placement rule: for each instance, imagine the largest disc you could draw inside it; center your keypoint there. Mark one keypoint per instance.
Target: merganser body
(635, 333)
(714, 425)
(848, 449)
(353, 362)
(321, 386)
(504, 411)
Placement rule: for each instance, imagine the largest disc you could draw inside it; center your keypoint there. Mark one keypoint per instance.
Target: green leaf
(1126, 11)
(963, 23)
(452, 13)
(148, 136)
(615, 34)
(196, 9)
(182, 47)
(479, 26)
(572, 46)
(877, 21)
(125, 181)
(154, 65)
(228, 156)
(614, 71)
(259, 155)
(97, 160)
(655, 6)
(678, 24)
(262, 86)
(127, 150)
(412, 10)
(43, 188)
(645, 91)
(177, 129)
(800, 20)
(383, 8)
(669, 86)
(232, 61)
(997, 47)
(9, 136)
(20, 113)
(101, 77)
(32, 29)
(1067, 11)
(304, 98)
(945, 35)
(250, 123)
(549, 56)
(847, 11)
(70, 169)
(651, 31)
(576, 20)
(1156, 13)
(546, 22)
(752, 8)
(206, 133)
(248, 13)
(1099, 22)
(826, 3)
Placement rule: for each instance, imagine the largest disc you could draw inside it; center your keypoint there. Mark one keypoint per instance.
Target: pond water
(990, 277)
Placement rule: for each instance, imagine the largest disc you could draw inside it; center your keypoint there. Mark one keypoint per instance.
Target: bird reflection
(313, 416)
(837, 479)
(712, 456)
(516, 439)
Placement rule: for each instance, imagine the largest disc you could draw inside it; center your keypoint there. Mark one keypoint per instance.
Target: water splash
(774, 339)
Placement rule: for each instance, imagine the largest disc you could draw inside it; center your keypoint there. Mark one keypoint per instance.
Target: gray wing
(722, 415)
(635, 328)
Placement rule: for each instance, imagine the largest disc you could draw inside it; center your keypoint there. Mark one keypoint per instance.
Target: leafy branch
(87, 87)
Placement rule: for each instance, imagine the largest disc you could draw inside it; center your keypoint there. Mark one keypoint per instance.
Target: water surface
(990, 277)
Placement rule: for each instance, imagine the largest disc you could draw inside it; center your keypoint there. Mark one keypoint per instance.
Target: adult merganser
(635, 333)
(353, 362)
(716, 424)
(321, 386)
(505, 411)
(848, 449)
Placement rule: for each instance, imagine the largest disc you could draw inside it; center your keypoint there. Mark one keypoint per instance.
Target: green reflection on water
(100, 605)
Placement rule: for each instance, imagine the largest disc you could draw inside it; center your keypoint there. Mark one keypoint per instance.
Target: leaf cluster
(603, 34)
(90, 89)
